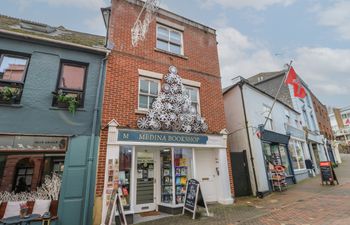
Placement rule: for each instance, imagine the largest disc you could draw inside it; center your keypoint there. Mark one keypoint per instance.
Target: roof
(263, 77)
(242, 81)
(41, 30)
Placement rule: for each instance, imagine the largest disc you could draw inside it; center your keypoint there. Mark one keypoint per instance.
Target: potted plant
(67, 100)
(9, 94)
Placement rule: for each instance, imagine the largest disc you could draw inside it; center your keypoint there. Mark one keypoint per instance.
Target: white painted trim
(191, 83)
(170, 24)
(150, 74)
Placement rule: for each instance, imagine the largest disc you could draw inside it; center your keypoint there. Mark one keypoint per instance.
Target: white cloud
(326, 70)
(88, 4)
(337, 16)
(240, 56)
(239, 4)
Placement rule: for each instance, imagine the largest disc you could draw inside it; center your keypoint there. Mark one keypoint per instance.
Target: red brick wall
(121, 85)
(10, 171)
(323, 120)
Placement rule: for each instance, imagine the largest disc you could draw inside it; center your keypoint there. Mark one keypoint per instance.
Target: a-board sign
(120, 209)
(111, 206)
(115, 201)
(194, 198)
(327, 172)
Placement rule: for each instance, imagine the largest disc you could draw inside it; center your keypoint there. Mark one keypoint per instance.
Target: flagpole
(279, 89)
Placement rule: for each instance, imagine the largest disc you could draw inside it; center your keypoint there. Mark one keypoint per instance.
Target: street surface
(306, 203)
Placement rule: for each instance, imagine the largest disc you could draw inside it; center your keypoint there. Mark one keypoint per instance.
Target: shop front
(275, 149)
(298, 151)
(31, 171)
(152, 169)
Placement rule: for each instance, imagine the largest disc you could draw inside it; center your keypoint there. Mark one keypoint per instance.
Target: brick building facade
(322, 118)
(192, 49)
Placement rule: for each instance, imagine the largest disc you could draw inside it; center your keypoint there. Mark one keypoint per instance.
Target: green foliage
(71, 101)
(8, 93)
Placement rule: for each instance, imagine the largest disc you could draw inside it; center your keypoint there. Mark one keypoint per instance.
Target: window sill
(140, 111)
(12, 105)
(65, 109)
(170, 53)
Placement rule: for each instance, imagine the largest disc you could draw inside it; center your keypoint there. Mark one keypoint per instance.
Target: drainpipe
(91, 153)
(250, 146)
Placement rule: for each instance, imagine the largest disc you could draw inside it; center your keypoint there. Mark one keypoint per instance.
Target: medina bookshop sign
(194, 198)
(162, 137)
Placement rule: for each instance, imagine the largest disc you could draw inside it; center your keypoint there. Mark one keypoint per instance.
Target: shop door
(145, 181)
(240, 173)
(206, 173)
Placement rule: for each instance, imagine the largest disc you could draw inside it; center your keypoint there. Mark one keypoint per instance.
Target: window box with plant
(10, 95)
(12, 75)
(71, 101)
(71, 86)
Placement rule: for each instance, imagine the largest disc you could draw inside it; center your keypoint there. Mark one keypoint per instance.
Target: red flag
(291, 76)
(299, 90)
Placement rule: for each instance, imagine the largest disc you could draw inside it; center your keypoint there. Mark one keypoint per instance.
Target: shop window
(169, 40)
(166, 176)
(276, 155)
(284, 159)
(2, 166)
(24, 176)
(148, 92)
(183, 172)
(53, 164)
(125, 158)
(71, 84)
(193, 93)
(12, 75)
(297, 154)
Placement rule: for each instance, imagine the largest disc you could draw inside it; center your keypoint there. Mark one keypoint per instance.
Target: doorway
(146, 180)
(206, 173)
(240, 173)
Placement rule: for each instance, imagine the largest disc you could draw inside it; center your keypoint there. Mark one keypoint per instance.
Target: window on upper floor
(13, 70)
(148, 92)
(193, 93)
(169, 39)
(267, 117)
(287, 115)
(71, 86)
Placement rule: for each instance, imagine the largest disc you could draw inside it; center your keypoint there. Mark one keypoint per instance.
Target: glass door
(145, 181)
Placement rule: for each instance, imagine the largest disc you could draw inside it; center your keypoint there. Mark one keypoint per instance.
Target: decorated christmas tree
(172, 109)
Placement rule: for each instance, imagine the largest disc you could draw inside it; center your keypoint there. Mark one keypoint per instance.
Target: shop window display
(166, 176)
(276, 155)
(182, 166)
(297, 154)
(125, 158)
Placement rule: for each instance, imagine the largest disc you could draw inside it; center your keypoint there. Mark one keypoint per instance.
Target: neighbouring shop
(152, 169)
(28, 159)
(275, 149)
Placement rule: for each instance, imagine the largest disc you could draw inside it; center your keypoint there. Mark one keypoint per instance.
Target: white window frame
(198, 97)
(265, 113)
(294, 143)
(168, 41)
(144, 94)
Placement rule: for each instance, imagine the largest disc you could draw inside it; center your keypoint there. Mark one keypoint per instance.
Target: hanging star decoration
(172, 109)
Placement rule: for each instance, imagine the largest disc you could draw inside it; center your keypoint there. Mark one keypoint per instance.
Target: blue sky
(254, 35)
